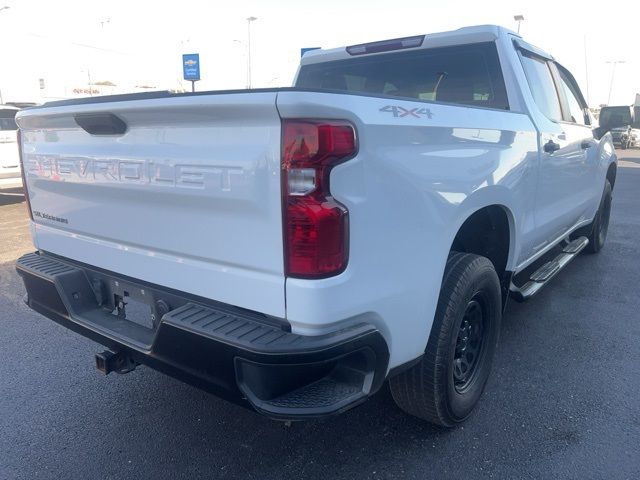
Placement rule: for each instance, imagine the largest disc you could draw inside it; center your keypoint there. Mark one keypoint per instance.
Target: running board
(546, 272)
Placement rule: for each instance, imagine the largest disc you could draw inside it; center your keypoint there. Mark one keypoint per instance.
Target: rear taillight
(316, 230)
(24, 175)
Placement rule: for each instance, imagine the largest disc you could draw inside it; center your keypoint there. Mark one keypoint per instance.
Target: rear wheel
(448, 382)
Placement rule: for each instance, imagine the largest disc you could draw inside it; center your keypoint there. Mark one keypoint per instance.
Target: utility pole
(613, 73)
(249, 20)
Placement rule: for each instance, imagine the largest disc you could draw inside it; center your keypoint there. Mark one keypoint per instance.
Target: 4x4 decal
(399, 111)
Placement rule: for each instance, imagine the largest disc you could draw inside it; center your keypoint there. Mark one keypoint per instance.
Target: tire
(439, 389)
(600, 226)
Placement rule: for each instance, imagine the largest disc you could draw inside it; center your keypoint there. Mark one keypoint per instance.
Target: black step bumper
(239, 355)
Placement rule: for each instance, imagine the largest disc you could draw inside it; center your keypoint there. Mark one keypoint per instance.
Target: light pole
(586, 70)
(613, 73)
(249, 20)
(89, 82)
(519, 19)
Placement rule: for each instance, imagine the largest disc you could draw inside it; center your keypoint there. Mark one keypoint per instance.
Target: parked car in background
(625, 137)
(10, 173)
(627, 119)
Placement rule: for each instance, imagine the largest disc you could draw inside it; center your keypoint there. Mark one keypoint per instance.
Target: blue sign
(191, 66)
(305, 50)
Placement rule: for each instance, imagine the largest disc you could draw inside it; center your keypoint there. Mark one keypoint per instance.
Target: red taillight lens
(24, 175)
(315, 224)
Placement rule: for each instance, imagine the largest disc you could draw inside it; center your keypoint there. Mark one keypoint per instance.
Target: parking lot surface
(563, 400)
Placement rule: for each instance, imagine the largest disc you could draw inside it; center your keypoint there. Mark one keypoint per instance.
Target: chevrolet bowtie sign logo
(190, 63)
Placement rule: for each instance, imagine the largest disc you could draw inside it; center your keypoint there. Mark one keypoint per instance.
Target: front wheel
(448, 382)
(600, 225)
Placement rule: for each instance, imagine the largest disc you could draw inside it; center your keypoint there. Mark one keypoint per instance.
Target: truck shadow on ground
(228, 438)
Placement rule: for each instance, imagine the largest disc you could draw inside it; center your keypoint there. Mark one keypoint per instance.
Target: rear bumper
(236, 354)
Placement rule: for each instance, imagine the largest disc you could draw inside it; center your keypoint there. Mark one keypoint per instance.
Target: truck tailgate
(188, 197)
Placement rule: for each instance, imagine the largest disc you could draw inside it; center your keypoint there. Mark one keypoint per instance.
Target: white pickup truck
(292, 249)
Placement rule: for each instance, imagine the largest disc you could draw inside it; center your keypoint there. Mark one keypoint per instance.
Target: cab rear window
(465, 74)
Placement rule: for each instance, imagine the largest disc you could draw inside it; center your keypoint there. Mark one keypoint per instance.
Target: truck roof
(472, 34)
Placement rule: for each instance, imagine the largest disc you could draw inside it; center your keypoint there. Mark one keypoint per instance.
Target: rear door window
(466, 74)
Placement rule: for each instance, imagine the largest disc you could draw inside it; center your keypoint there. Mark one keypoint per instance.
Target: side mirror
(599, 132)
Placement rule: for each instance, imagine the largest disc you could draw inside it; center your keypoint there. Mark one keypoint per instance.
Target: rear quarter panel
(415, 180)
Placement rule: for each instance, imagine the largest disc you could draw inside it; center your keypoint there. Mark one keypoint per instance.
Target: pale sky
(140, 42)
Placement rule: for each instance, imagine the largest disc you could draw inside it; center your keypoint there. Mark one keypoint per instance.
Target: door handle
(551, 146)
(585, 144)
(101, 123)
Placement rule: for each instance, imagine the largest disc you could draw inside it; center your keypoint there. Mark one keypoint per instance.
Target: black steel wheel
(600, 226)
(469, 345)
(445, 386)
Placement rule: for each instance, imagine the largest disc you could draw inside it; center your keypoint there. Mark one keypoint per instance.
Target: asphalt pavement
(563, 400)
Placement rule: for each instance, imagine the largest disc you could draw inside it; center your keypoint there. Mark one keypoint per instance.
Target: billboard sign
(191, 66)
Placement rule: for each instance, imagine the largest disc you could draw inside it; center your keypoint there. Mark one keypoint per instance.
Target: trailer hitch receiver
(119, 362)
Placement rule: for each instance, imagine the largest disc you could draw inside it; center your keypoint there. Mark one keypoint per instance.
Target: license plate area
(134, 304)
(134, 310)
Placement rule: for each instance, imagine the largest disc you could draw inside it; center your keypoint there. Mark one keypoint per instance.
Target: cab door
(563, 171)
(579, 130)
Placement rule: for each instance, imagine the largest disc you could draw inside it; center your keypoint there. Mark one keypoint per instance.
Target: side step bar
(546, 272)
